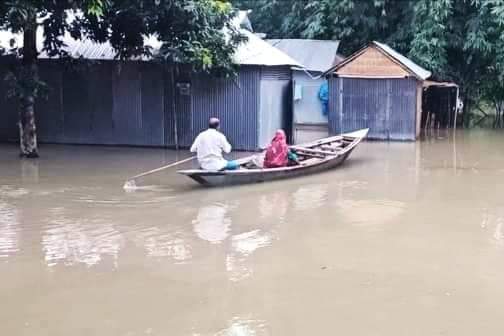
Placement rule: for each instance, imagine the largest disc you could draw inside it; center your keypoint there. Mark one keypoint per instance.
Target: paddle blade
(130, 185)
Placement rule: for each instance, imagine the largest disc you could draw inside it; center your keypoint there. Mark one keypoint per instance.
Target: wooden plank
(311, 155)
(309, 162)
(315, 143)
(332, 147)
(372, 77)
(314, 151)
(373, 62)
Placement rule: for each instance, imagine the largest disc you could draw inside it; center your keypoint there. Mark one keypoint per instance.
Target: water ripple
(248, 242)
(273, 206)
(8, 230)
(243, 245)
(159, 244)
(310, 197)
(212, 223)
(13, 192)
(122, 202)
(72, 241)
(243, 327)
(370, 212)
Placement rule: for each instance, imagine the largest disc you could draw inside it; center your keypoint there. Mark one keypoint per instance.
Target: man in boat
(209, 146)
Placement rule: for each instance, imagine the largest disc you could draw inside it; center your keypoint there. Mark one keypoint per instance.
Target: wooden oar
(131, 181)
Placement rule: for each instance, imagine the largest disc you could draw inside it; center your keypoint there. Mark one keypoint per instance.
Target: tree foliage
(459, 40)
(195, 32)
(354, 22)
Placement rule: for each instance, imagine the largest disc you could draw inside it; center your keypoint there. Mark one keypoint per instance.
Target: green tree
(493, 82)
(353, 22)
(459, 40)
(196, 32)
(429, 43)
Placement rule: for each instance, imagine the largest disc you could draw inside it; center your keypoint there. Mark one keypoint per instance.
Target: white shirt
(209, 146)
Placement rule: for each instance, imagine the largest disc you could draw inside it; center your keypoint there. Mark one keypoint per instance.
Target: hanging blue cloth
(323, 95)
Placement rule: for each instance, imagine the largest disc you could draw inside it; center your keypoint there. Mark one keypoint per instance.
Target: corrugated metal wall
(49, 112)
(386, 106)
(276, 73)
(234, 101)
(309, 121)
(8, 108)
(169, 107)
(136, 103)
(105, 103)
(334, 115)
(275, 103)
(308, 109)
(178, 107)
(152, 105)
(402, 109)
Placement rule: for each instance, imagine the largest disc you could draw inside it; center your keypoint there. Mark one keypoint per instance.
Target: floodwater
(404, 239)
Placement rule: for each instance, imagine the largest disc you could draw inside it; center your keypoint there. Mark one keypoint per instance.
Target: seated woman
(278, 153)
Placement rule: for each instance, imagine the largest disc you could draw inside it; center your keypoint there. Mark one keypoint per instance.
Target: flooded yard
(403, 239)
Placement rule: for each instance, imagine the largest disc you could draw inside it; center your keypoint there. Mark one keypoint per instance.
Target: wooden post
(456, 110)
(418, 114)
(174, 106)
(340, 104)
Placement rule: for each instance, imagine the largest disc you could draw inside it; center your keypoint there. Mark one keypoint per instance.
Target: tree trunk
(500, 113)
(501, 107)
(29, 82)
(27, 129)
(496, 117)
(497, 123)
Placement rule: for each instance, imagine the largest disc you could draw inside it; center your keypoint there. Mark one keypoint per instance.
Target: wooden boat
(314, 157)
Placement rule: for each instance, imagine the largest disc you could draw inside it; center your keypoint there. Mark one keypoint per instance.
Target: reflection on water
(484, 221)
(212, 223)
(412, 224)
(353, 184)
(237, 268)
(310, 197)
(248, 242)
(242, 246)
(160, 243)
(273, 206)
(499, 231)
(495, 223)
(244, 327)
(73, 241)
(29, 171)
(365, 212)
(12, 192)
(8, 230)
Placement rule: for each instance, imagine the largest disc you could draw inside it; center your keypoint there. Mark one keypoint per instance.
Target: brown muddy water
(404, 239)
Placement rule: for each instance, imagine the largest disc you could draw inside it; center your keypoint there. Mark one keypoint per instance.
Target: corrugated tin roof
(412, 66)
(75, 48)
(253, 52)
(405, 62)
(259, 52)
(314, 55)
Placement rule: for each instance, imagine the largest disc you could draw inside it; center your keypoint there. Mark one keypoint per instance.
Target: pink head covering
(277, 151)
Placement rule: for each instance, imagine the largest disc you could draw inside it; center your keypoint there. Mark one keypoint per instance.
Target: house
(380, 89)
(309, 115)
(142, 103)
